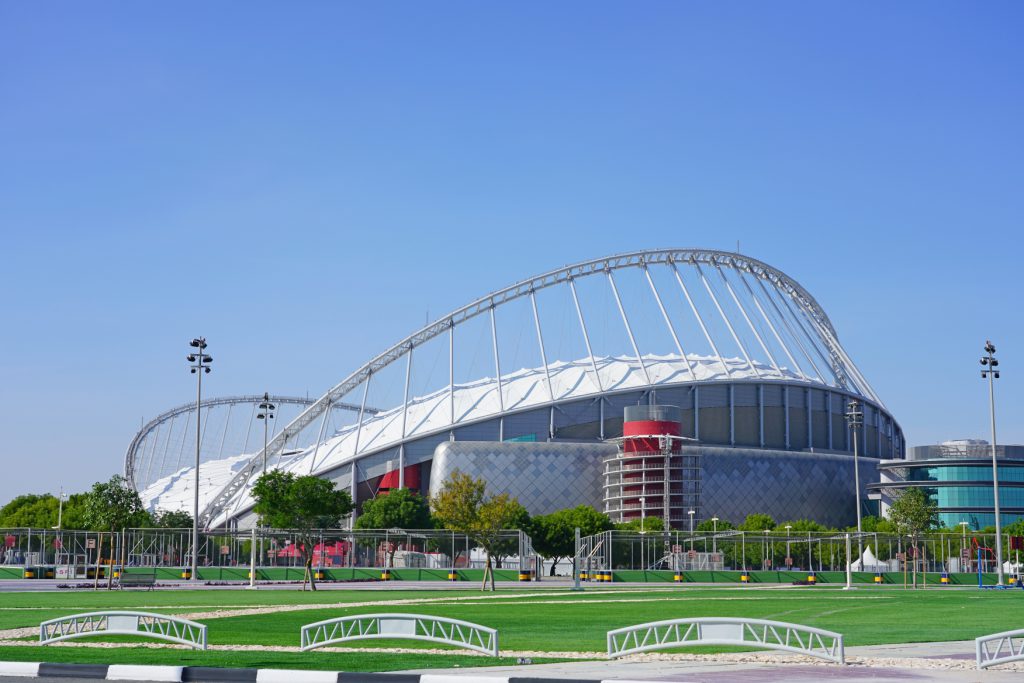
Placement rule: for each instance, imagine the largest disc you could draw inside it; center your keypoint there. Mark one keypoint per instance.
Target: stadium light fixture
(266, 414)
(855, 418)
(199, 365)
(989, 362)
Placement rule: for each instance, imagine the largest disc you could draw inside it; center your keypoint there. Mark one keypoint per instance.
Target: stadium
(527, 387)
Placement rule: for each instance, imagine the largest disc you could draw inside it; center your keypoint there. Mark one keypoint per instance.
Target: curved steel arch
(819, 320)
(124, 622)
(149, 427)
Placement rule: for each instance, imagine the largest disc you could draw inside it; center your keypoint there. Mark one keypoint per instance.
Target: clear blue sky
(301, 182)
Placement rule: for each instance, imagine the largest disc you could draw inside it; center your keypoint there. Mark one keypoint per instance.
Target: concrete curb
(209, 674)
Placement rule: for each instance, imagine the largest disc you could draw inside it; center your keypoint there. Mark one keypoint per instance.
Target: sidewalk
(895, 663)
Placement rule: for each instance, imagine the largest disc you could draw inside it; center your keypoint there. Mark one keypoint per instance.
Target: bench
(137, 579)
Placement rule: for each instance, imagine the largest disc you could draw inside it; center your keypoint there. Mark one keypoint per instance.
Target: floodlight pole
(849, 566)
(576, 564)
(990, 364)
(200, 364)
(855, 417)
(252, 559)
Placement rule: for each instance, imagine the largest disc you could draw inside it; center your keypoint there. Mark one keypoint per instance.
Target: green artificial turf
(548, 621)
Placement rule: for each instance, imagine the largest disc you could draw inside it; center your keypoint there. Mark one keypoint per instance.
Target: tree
(872, 524)
(554, 535)
(757, 522)
(399, 508)
(30, 510)
(711, 526)
(304, 504)
(173, 519)
(42, 511)
(913, 513)
(113, 505)
(463, 506)
(642, 524)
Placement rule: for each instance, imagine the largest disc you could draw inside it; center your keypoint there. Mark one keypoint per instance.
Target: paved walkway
(899, 663)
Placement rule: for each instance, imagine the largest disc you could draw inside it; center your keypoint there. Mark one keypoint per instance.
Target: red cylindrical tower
(646, 463)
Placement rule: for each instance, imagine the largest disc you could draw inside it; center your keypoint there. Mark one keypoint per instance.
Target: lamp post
(963, 542)
(691, 513)
(266, 414)
(60, 508)
(855, 417)
(989, 363)
(789, 558)
(714, 535)
(60, 520)
(199, 362)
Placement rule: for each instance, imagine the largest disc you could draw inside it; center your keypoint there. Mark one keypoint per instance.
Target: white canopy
(869, 563)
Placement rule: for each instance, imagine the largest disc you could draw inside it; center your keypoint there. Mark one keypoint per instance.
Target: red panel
(390, 479)
(647, 427)
(651, 427)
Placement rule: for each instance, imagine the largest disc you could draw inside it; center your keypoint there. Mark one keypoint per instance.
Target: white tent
(1011, 567)
(869, 563)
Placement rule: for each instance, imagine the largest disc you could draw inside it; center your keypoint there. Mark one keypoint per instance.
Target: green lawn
(552, 621)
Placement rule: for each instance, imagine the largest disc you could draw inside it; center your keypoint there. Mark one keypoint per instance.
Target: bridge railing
(773, 635)
(999, 648)
(146, 624)
(403, 626)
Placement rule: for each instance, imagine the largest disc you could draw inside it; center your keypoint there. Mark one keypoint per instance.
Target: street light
(714, 535)
(266, 414)
(60, 508)
(855, 417)
(199, 365)
(963, 543)
(643, 513)
(989, 363)
(789, 558)
(691, 513)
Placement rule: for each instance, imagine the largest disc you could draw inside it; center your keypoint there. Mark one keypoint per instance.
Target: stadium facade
(534, 380)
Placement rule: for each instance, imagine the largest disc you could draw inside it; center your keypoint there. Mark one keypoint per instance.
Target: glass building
(957, 477)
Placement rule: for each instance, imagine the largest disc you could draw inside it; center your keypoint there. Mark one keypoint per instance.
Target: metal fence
(76, 551)
(798, 551)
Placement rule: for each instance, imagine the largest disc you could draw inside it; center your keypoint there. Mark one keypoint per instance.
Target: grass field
(549, 621)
